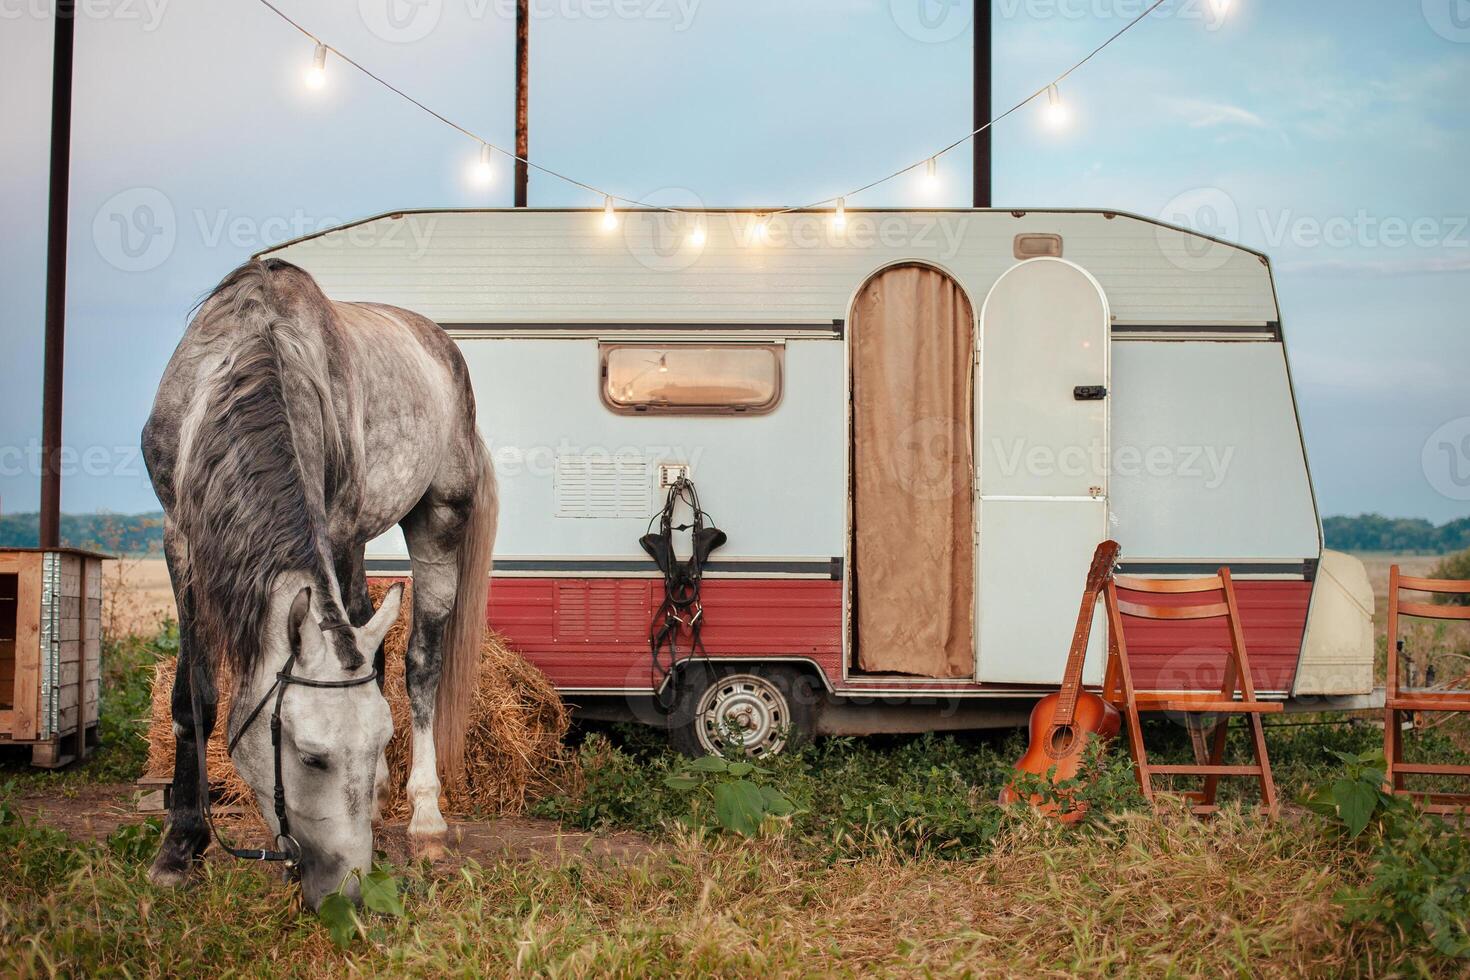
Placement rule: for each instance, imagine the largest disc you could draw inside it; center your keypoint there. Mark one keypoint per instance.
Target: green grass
(897, 861)
(1138, 894)
(931, 795)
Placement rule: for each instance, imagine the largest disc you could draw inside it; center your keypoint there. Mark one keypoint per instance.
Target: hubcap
(744, 707)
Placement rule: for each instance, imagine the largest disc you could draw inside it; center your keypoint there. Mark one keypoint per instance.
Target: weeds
(380, 894)
(930, 795)
(740, 792)
(1419, 883)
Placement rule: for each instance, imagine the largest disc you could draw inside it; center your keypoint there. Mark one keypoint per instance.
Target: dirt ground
(89, 811)
(93, 811)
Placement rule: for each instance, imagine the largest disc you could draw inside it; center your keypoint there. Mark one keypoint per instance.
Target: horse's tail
(459, 672)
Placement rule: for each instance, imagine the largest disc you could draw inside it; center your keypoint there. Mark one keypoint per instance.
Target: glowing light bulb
(762, 229)
(839, 216)
(663, 364)
(609, 216)
(484, 169)
(931, 173)
(1057, 114)
(316, 75)
(696, 238)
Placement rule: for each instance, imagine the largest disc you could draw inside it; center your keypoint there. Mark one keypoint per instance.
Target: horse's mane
(243, 501)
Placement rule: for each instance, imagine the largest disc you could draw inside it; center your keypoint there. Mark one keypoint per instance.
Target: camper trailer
(913, 428)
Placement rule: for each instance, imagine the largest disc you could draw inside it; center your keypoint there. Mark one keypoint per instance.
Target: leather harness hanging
(290, 850)
(681, 607)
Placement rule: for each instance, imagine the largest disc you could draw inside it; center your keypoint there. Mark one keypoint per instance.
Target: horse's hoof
(168, 874)
(426, 847)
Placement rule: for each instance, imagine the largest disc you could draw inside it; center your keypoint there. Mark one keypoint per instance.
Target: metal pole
(982, 102)
(523, 143)
(55, 356)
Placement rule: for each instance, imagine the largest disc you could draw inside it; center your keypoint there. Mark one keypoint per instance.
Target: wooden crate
(50, 651)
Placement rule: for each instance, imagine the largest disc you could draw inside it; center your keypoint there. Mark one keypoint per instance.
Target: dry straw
(513, 749)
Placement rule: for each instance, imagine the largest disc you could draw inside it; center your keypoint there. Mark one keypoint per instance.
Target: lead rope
(288, 854)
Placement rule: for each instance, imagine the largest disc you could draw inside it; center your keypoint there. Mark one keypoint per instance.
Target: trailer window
(689, 379)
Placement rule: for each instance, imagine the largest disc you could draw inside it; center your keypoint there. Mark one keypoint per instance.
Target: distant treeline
(138, 534)
(117, 534)
(1374, 532)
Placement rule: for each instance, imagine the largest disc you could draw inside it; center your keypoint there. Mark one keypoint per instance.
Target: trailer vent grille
(605, 610)
(602, 486)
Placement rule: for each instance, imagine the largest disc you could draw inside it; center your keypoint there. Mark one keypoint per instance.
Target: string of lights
(483, 172)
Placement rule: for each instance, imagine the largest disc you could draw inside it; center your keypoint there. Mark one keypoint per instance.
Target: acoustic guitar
(1061, 723)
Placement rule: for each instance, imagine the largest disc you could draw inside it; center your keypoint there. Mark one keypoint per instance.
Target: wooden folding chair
(1185, 602)
(1400, 701)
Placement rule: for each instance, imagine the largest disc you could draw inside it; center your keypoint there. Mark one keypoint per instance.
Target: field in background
(1377, 565)
(138, 596)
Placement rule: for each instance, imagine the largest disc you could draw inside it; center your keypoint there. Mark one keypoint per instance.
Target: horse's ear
(302, 630)
(372, 634)
(300, 609)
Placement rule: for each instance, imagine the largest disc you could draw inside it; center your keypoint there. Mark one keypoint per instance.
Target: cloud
(1201, 114)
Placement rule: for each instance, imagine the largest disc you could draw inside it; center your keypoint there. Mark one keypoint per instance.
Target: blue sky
(1334, 137)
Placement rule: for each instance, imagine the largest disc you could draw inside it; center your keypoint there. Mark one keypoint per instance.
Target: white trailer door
(1043, 454)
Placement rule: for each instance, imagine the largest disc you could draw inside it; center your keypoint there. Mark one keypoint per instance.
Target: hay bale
(232, 790)
(513, 748)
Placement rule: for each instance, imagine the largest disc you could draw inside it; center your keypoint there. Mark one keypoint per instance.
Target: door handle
(1089, 393)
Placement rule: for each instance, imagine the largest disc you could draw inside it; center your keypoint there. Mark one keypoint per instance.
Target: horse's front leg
(186, 837)
(352, 583)
(434, 581)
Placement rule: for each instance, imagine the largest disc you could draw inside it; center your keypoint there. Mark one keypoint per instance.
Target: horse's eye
(313, 761)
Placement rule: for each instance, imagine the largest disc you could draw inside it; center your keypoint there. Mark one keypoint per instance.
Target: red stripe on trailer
(1189, 655)
(593, 632)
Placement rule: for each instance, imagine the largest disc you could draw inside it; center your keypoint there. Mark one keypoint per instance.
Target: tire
(775, 704)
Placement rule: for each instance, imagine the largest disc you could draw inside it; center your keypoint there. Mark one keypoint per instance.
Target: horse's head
(331, 744)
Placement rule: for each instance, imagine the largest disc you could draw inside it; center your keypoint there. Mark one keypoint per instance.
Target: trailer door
(912, 346)
(1043, 452)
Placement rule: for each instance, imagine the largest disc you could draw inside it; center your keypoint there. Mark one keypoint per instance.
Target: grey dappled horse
(289, 430)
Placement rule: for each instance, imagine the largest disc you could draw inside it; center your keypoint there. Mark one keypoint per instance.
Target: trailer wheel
(771, 708)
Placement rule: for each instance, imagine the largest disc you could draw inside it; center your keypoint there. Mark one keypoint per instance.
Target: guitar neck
(1076, 656)
(1097, 576)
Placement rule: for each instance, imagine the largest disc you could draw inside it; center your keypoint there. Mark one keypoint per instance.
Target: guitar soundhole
(1063, 739)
